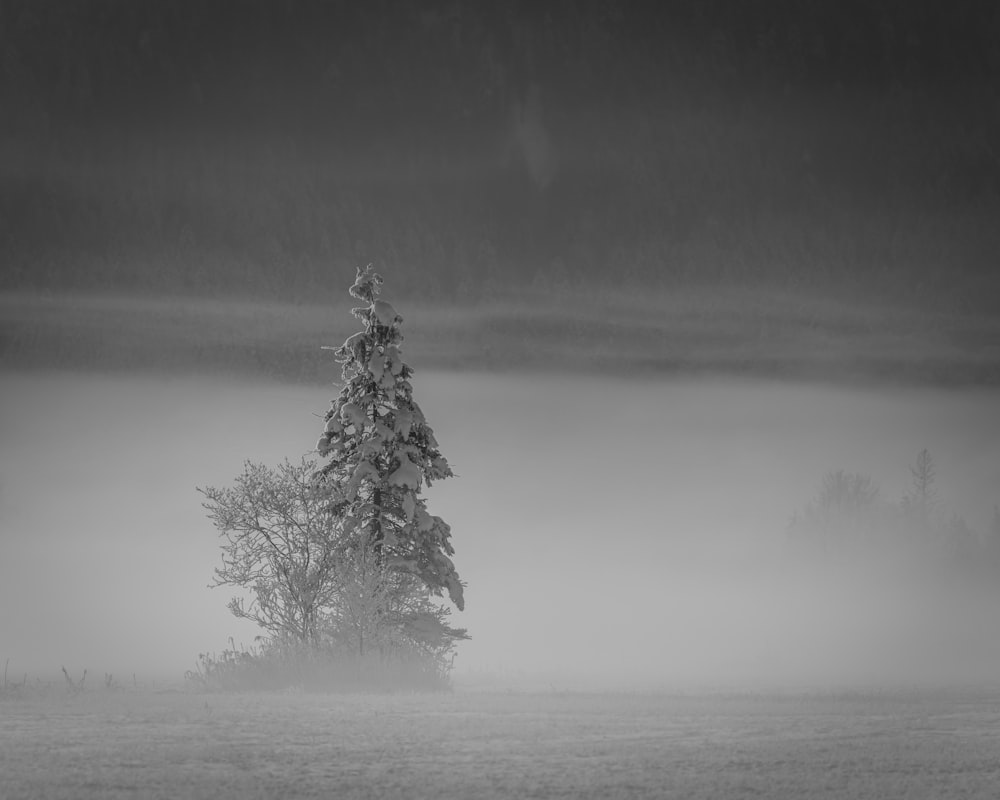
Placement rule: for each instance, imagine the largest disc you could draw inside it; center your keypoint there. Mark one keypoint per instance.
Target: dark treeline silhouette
(242, 145)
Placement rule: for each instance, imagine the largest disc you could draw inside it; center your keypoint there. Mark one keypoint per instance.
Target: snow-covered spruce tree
(380, 451)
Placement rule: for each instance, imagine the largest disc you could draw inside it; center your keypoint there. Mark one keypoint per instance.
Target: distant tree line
(849, 518)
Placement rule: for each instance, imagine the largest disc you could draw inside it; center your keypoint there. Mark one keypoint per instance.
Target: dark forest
(248, 148)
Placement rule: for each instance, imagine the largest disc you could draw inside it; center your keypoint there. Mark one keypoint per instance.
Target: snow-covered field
(102, 744)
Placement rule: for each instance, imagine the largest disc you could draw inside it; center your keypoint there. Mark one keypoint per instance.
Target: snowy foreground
(133, 743)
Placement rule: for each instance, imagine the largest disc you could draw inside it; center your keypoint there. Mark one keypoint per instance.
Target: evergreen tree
(342, 559)
(380, 451)
(923, 474)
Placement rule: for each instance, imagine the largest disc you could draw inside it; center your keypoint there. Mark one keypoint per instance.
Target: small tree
(842, 514)
(919, 502)
(284, 544)
(380, 451)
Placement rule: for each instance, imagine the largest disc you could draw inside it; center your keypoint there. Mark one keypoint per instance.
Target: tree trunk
(377, 535)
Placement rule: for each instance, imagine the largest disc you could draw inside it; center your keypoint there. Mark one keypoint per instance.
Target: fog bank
(611, 532)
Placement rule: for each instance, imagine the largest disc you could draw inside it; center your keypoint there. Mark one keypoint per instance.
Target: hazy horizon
(616, 533)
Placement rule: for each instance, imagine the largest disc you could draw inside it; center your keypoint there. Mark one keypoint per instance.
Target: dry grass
(171, 744)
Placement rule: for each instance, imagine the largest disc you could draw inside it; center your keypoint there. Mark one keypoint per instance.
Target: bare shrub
(844, 515)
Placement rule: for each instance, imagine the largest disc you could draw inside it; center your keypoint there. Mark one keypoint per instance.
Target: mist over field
(612, 532)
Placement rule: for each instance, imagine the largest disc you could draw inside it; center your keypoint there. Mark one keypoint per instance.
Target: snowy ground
(102, 744)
